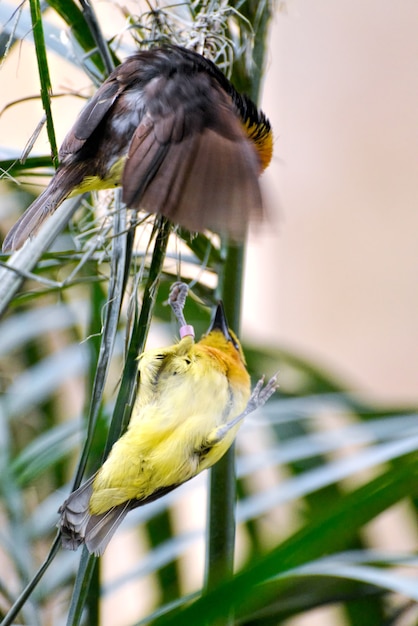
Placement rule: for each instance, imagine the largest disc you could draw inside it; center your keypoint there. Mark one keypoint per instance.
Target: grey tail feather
(78, 526)
(33, 218)
(75, 515)
(60, 187)
(101, 528)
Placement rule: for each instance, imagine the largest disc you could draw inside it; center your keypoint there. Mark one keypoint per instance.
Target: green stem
(81, 591)
(40, 49)
(97, 34)
(124, 401)
(127, 390)
(222, 491)
(121, 258)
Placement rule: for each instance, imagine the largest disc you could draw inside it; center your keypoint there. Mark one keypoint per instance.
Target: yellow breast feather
(191, 400)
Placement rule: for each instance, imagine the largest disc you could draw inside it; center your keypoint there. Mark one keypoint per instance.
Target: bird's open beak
(220, 322)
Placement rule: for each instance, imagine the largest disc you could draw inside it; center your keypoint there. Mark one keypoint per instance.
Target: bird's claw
(259, 396)
(262, 393)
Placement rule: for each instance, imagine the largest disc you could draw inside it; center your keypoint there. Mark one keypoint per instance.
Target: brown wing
(100, 105)
(190, 158)
(100, 135)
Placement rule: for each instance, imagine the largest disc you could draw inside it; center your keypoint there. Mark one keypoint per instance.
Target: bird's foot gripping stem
(177, 300)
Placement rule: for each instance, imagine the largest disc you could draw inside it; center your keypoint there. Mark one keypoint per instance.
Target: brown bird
(170, 128)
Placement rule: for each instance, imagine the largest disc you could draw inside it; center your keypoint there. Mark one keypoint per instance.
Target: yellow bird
(169, 127)
(192, 398)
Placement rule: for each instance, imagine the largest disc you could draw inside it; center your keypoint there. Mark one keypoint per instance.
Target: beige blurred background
(338, 280)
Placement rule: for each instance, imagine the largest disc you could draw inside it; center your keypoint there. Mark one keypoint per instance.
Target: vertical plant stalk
(88, 563)
(88, 574)
(124, 401)
(46, 89)
(127, 390)
(117, 284)
(96, 31)
(81, 591)
(120, 258)
(220, 542)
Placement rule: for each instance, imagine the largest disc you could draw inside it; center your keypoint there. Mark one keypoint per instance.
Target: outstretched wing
(190, 158)
(175, 119)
